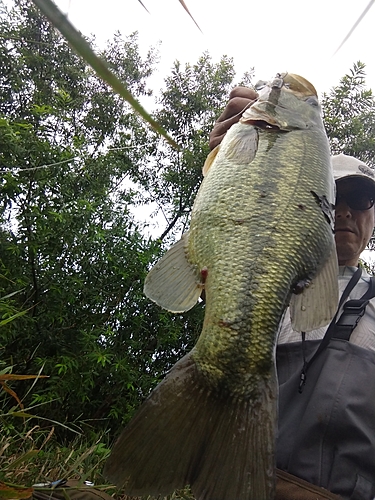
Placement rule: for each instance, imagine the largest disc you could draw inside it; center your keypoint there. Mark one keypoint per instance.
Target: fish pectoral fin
(317, 304)
(186, 433)
(173, 283)
(243, 147)
(209, 160)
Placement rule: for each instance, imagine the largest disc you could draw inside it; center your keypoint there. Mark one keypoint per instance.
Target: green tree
(76, 163)
(349, 116)
(192, 99)
(68, 242)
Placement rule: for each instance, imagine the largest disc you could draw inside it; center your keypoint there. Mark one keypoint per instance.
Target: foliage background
(77, 167)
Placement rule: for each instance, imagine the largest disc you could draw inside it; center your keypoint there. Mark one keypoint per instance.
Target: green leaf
(80, 45)
(11, 318)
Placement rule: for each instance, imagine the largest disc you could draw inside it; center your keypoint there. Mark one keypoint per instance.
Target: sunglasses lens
(357, 200)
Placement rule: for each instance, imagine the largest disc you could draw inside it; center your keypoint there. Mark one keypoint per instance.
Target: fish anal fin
(317, 304)
(185, 433)
(173, 283)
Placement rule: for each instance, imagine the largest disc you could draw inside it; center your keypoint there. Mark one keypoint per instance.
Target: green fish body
(261, 228)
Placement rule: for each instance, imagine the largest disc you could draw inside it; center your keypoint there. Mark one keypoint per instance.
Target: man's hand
(239, 99)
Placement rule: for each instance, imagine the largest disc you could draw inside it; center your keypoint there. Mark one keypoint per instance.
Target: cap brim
(362, 178)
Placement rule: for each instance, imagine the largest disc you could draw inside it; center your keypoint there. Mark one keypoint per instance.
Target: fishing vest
(327, 407)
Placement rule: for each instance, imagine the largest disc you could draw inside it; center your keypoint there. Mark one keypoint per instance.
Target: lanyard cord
(330, 330)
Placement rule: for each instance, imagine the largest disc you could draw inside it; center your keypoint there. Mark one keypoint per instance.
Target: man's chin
(348, 252)
(347, 256)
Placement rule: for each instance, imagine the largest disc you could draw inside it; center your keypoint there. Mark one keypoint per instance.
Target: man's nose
(342, 210)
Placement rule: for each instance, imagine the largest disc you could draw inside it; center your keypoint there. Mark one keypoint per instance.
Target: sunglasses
(356, 200)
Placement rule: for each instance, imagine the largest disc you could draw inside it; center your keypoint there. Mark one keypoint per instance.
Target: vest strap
(353, 310)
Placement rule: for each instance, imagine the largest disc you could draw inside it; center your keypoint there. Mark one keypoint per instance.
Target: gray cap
(347, 166)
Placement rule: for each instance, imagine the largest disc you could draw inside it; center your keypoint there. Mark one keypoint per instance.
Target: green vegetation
(76, 166)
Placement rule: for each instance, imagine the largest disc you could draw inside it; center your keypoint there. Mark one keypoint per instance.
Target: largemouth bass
(260, 239)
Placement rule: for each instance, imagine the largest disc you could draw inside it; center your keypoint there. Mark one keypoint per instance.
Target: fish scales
(265, 250)
(260, 228)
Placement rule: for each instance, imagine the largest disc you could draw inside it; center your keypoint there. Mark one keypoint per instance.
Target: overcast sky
(273, 36)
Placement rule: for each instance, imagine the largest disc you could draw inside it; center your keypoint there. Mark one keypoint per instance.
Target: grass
(33, 455)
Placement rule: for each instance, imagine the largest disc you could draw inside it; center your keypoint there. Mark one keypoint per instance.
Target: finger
(222, 126)
(236, 106)
(240, 99)
(215, 141)
(243, 92)
(230, 116)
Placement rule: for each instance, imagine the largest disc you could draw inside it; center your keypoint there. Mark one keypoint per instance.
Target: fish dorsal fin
(173, 283)
(209, 160)
(317, 304)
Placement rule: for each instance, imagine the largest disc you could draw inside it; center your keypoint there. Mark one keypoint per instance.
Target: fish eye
(312, 100)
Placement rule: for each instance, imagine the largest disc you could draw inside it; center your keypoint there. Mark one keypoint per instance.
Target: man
(327, 376)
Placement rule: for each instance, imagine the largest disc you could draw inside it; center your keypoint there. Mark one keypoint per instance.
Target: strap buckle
(353, 311)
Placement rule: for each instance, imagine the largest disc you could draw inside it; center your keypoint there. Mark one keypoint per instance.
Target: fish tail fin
(185, 434)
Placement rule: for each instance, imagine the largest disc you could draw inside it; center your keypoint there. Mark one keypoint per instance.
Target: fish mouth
(263, 124)
(260, 115)
(258, 118)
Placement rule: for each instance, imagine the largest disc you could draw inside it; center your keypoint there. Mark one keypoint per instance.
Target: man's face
(353, 227)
